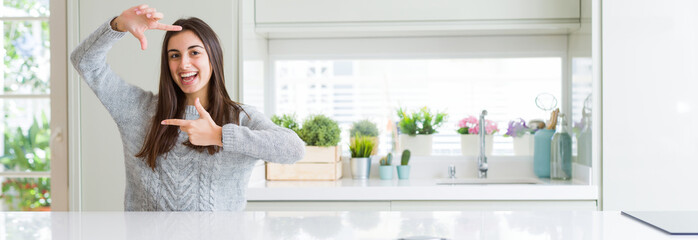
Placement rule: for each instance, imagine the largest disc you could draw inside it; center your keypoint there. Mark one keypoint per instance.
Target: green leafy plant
(364, 128)
(286, 121)
(361, 146)
(27, 152)
(405, 157)
(24, 43)
(422, 122)
(387, 160)
(320, 130)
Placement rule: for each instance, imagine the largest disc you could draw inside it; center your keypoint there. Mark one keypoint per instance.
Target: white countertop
(414, 189)
(325, 225)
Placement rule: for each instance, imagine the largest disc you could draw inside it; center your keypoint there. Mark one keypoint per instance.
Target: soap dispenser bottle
(561, 152)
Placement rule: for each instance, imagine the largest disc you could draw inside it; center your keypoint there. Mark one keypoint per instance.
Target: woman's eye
(174, 55)
(195, 53)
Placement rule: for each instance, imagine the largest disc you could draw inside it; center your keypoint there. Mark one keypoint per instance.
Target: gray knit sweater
(184, 179)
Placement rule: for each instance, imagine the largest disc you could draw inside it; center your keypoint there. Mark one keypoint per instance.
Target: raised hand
(202, 131)
(140, 18)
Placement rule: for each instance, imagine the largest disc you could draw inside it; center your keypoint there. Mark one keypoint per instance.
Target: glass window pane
(26, 194)
(351, 90)
(26, 57)
(25, 8)
(26, 133)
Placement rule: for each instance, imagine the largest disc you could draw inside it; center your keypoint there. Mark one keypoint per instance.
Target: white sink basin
(462, 181)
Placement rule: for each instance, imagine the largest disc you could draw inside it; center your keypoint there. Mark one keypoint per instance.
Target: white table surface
(325, 225)
(414, 189)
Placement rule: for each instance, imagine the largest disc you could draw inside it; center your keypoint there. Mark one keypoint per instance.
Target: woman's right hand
(138, 19)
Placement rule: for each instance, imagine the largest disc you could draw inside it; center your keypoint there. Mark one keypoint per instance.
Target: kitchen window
(353, 79)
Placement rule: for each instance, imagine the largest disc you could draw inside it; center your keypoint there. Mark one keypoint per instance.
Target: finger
(157, 16)
(149, 12)
(139, 9)
(168, 27)
(202, 112)
(142, 39)
(175, 122)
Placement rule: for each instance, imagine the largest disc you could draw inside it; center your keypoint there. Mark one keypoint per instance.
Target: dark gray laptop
(671, 222)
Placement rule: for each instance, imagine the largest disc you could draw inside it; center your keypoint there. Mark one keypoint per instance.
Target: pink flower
(467, 122)
(470, 125)
(490, 127)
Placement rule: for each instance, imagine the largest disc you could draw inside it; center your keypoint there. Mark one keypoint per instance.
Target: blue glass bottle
(541, 152)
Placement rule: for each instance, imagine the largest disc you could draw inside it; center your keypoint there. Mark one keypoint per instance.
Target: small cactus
(405, 157)
(387, 160)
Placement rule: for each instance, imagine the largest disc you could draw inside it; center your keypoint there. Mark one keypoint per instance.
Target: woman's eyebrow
(190, 47)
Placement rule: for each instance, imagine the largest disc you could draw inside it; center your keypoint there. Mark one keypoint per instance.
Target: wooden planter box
(319, 163)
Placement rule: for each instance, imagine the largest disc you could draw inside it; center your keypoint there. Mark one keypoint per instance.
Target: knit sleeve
(258, 137)
(121, 99)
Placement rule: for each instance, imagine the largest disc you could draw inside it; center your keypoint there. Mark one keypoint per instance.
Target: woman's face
(189, 64)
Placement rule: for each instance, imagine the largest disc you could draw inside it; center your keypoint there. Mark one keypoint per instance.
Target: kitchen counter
(415, 189)
(326, 225)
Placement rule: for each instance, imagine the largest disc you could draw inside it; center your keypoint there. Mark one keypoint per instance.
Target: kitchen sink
(470, 181)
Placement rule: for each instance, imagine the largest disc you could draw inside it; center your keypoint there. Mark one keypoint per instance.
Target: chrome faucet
(482, 159)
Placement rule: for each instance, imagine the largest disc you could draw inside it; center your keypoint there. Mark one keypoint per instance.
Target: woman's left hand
(202, 131)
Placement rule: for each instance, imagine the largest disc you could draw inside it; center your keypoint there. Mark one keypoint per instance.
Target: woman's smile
(189, 78)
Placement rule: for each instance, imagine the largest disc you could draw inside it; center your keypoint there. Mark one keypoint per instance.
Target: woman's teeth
(188, 77)
(188, 74)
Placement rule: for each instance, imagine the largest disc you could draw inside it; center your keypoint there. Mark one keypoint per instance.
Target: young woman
(189, 147)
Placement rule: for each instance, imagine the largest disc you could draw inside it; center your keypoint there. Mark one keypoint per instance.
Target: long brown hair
(172, 101)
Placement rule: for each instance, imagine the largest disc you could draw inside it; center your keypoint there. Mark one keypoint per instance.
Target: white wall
(254, 59)
(101, 155)
(255, 68)
(650, 75)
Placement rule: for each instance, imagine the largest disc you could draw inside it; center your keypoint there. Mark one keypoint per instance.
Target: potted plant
(386, 168)
(287, 121)
(28, 152)
(469, 128)
(322, 153)
(361, 148)
(365, 128)
(417, 128)
(522, 137)
(403, 170)
(320, 131)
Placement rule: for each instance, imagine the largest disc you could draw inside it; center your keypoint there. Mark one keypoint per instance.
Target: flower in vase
(471, 125)
(517, 128)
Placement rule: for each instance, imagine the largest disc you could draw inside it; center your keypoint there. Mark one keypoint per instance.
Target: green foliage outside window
(26, 70)
(27, 152)
(26, 44)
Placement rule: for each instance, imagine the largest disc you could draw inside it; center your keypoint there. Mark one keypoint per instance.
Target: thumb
(142, 39)
(202, 112)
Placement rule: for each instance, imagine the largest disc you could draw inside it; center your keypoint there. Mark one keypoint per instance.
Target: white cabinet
(326, 11)
(283, 18)
(402, 205)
